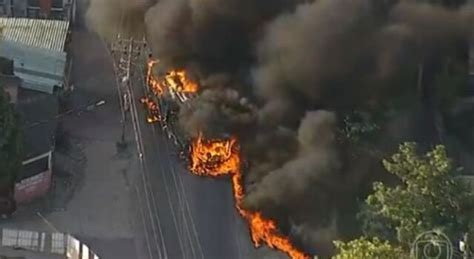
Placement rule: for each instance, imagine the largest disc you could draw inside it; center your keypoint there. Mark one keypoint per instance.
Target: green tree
(9, 142)
(367, 249)
(375, 225)
(429, 195)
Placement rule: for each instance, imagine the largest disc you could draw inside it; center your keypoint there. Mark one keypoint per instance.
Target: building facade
(37, 112)
(33, 244)
(38, 122)
(35, 179)
(39, 9)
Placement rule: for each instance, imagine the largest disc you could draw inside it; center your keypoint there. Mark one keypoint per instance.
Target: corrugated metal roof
(43, 34)
(39, 69)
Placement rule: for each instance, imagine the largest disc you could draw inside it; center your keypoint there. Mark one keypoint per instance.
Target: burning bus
(166, 93)
(219, 157)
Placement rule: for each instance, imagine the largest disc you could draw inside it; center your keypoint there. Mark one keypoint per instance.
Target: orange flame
(153, 110)
(154, 84)
(221, 157)
(176, 81)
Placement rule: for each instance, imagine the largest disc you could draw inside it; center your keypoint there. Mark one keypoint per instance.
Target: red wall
(34, 187)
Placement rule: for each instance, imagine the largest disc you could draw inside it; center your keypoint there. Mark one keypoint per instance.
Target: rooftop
(42, 34)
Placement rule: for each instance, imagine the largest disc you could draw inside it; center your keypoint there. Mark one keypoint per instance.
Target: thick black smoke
(339, 53)
(316, 157)
(223, 108)
(213, 35)
(305, 180)
(300, 64)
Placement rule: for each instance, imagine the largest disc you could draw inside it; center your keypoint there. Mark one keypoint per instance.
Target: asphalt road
(183, 215)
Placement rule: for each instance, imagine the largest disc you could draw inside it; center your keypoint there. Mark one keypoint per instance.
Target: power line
(86, 107)
(129, 51)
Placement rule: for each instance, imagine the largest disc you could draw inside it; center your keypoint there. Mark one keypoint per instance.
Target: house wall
(61, 9)
(32, 188)
(18, 9)
(36, 186)
(5, 8)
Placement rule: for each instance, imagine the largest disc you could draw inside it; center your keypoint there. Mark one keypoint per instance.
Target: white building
(42, 245)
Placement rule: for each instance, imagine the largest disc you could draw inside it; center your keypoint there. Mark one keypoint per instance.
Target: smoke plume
(215, 112)
(110, 17)
(311, 171)
(339, 54)
(214, 35)
(278, 73)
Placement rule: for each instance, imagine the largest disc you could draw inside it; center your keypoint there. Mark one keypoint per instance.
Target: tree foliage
(367, 249)
(429, 197)
(9, 141)
(376, 225)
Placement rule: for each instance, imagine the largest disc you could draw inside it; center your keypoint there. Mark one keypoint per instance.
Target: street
(184, 216)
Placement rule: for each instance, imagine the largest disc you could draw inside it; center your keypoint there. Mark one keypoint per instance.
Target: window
(20, 238)
(58, 243)
(34, 168)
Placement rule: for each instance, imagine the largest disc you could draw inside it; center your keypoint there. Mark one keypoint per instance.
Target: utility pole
(125, 53)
